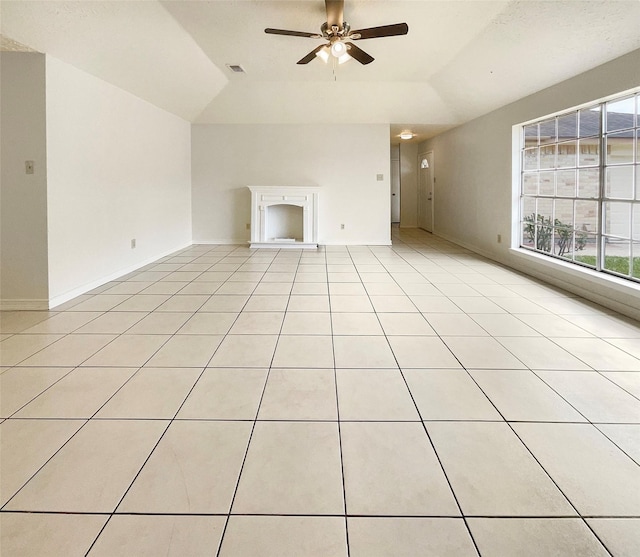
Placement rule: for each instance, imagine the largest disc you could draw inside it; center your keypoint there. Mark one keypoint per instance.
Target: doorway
(395, 191)
(426, 187)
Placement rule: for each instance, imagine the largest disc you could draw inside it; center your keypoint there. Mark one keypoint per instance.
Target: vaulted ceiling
(460, 59)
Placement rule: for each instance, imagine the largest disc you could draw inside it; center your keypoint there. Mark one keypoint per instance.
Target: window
(580, 186)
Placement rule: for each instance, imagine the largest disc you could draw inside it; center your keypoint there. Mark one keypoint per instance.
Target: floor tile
(267, 303)
(478, 304)
(157, 323)
(71, 350)
(520, 395)
(353, 304)
(19, 385)
(101, 302)
(391, 469)
(172, 288)
(422, 352)
(273, 288)
(629, 345)
(363, 352)
(284, 536)
(435, 304)
(194, 469)
(291, 468)
(228, 303)
(51, 535)
(594, 474)
(553, 326)
(17, 348)
(308, 288)
(625, 436)
(482, 353)
(504, 325)
(455, 324)
(541, 353)
(115, 322)
(225, 394)
(151, 393)
(299, 394)
(534, 537)
(605, 326)
(19, 321)
(448, 394)
(404, 324)
(208, 324)
(308, 303)
(93, 470)
(594, 396)
(186, 351)
(378, 395)
(128, 350)
(356, 324)
(599, 354)
(492, 473)
(258, 323)
(620, 535)
(297, 351)
(306, 323)
(64, 322)
(79, 394)
(26, 446)
(393, 304)
(142, 302)
(408, 537)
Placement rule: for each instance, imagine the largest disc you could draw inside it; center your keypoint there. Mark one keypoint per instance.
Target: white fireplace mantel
(264, 197)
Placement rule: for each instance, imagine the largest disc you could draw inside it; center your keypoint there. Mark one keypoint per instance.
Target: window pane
(530, 159)
(547, 183)
(616, 256)
(635, 272)
(589, 152)
(563, 212)
(589, 121)
(528, 234)
(545, 210)
(528, 207)
(566, 183)
(531, 135)
(587, 255)
(588, 182)
(620, 148)
(530, 183)
(635, 225)
(620, 114)
(617, 219)
(548, 132)
(619, 182)
(638, 143)
(548, 156)
(567, 154)
(586, 216)
(567, 126)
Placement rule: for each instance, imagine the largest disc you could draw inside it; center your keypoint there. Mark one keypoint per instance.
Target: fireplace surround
(284, 216)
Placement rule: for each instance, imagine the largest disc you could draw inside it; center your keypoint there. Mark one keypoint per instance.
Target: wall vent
(235, 68)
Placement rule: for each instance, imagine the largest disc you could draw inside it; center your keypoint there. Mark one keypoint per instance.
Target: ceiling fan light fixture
(323, 54)
(406, 135)
(338, 49)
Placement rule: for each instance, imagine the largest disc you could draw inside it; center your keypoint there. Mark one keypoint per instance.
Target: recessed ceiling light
(235, 68)
(406, 135)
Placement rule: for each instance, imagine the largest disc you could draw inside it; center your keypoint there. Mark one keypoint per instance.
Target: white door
(425, 191)
(395, 191)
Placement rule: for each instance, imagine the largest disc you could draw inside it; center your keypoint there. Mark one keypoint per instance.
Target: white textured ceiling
(461, 58)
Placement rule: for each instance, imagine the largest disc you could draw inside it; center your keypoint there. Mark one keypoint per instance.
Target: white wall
(408, 185)
(23, 197)
(343, 160)
(474, 173)
(118, 169)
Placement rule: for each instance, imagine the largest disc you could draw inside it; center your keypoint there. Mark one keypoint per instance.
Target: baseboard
(24, 305)
(58, 300)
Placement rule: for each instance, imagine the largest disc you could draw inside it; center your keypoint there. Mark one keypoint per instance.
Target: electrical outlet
(342, 227)
(380, 177)
(133, 243)
(28, 167)
(248, 226)
(499, 238)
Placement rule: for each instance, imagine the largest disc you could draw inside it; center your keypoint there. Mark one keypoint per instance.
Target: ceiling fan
(339, 35)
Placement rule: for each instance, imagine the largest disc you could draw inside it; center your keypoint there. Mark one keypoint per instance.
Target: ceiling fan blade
(359, 54)
(292, 33)
(311, 55)
(382, 31)
(335, 12)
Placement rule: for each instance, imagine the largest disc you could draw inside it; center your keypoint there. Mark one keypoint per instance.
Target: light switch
(380, 177)
(28, 167)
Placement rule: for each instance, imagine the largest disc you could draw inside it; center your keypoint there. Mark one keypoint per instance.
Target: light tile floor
(365, 401)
